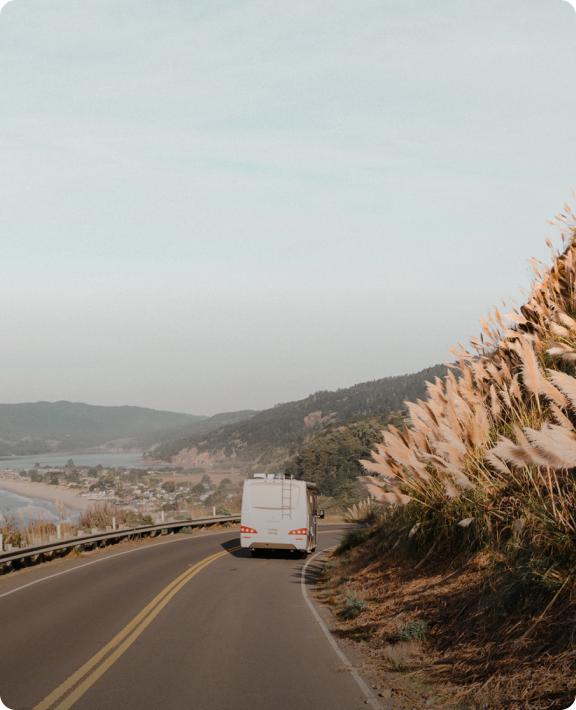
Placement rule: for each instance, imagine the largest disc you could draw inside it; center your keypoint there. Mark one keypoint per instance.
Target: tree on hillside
(330, 457)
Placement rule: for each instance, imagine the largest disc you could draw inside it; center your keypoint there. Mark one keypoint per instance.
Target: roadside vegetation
(476, 540)
(18, 531)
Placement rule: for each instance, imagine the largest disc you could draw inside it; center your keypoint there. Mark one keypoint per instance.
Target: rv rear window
(269, 495)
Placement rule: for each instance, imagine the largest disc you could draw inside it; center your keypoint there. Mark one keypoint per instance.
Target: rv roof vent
(279, 474)
(259, 475)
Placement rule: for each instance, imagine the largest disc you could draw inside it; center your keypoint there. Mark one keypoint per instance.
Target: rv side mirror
(321, 514)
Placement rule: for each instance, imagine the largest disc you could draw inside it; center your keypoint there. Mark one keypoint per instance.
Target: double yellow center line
(78, 683)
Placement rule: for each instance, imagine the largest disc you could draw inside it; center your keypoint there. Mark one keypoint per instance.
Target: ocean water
(11, 503)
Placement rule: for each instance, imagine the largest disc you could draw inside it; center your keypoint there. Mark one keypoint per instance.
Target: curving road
(185, 622)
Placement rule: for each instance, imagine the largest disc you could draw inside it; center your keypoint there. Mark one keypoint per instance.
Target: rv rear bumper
(275, 546)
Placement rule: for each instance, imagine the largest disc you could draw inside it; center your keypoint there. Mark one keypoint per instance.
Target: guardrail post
(162, 516)
(113, 523)
(1, 545)
(213, 511)
(58, 530)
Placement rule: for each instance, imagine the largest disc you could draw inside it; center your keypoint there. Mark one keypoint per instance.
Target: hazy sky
(217, 205)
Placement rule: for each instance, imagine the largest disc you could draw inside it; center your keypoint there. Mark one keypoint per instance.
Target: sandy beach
(71, 499)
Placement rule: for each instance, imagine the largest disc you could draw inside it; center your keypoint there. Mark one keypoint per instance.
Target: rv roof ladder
(286, 498)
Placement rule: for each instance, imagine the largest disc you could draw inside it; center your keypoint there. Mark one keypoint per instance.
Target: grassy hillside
(486, 473)
(287, 423)
(40, 427)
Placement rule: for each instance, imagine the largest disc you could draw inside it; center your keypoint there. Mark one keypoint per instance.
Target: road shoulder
(392, 690)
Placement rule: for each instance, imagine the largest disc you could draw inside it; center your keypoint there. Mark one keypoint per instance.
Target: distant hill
(41, 427)
(201, 426)
(255, 439)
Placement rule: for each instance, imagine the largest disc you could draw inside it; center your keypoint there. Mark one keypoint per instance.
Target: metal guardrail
(21, 553)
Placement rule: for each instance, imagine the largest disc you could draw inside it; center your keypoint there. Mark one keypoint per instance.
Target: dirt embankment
(463, 653)
(218, 461)
(191, 458)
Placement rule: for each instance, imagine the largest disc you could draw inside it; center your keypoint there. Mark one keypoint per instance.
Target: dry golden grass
(20, 530)
(400, 656)
(101, 514)
(484, 478)
(503, 426)
(467, 651)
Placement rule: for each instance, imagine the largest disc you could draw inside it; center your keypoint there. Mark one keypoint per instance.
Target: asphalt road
(185, 623)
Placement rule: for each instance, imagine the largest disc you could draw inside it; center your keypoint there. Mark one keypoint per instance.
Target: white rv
(279, 513)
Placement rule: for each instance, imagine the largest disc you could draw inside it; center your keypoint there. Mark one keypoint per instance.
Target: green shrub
(354, 605)
(413, 631)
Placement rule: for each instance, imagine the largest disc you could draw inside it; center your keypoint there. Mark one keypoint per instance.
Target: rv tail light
(244, 529)
(299, 531)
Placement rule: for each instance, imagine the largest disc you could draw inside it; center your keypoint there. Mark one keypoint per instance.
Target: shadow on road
(229, 544)
(295, 555)
(244, 553)
(311, 574)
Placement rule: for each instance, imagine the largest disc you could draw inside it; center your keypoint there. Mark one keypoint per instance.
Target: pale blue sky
(209, 205)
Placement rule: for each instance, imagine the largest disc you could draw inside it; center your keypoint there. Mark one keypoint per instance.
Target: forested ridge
(288, 423)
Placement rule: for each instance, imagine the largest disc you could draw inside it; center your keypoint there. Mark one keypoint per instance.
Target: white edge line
(109, 557)
(363, 687)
